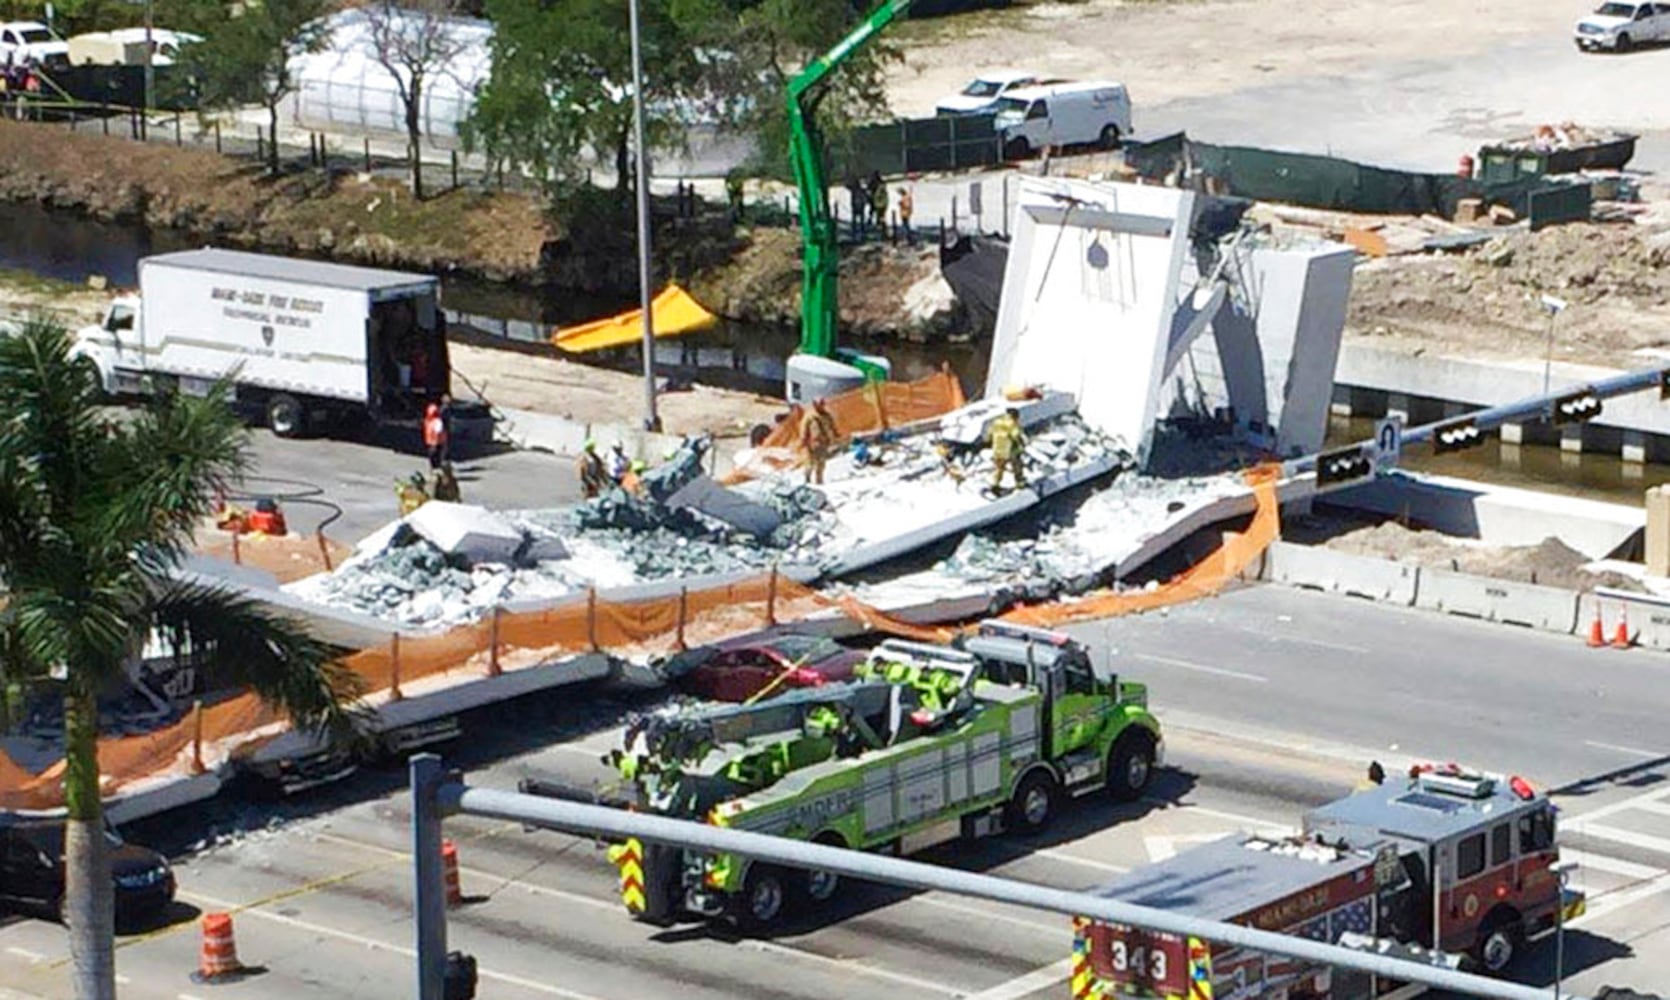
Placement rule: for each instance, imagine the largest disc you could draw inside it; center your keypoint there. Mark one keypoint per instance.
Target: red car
(741, 668)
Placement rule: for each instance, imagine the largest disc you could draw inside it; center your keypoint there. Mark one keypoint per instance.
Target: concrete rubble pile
(454, 563)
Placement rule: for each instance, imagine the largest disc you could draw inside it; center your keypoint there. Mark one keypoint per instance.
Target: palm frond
(269, 653)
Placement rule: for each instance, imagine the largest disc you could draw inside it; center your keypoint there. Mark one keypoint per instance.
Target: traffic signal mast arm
(819, 313)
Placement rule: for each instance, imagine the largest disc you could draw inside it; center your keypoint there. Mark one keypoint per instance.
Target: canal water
(71, 248)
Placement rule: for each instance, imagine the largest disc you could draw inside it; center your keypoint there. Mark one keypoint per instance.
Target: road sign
(1388, 442)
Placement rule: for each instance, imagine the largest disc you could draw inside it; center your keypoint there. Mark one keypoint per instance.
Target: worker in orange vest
(434, 435)
(268, 519)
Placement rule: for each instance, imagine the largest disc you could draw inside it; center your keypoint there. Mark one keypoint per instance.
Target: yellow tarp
(674, 311)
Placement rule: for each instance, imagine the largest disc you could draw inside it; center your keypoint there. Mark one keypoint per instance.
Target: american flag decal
(1356, 918)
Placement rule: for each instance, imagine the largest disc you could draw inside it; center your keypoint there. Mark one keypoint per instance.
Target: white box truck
(306, 344)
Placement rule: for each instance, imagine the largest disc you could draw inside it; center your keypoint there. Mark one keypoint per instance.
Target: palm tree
(97, 507)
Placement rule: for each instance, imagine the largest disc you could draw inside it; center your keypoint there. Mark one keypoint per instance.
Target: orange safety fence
(507, 642)
(1204, 579)
(876, 406)
(287, 557)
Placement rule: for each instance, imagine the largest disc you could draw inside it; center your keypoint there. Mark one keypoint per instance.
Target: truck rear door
(1140, 962)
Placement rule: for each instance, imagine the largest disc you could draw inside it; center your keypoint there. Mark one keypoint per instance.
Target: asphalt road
(358, 475)
(1273, 699)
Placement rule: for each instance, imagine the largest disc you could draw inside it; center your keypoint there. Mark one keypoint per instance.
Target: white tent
(342, 86)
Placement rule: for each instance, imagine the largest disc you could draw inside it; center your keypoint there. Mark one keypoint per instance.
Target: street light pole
(652, 422)
(150, 77)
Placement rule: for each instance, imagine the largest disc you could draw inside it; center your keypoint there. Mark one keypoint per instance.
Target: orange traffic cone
(449, 870)
(1597, 632)
(219, 956)
(1620, 638)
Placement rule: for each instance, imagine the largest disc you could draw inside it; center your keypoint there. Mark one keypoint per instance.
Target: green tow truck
(930, 744)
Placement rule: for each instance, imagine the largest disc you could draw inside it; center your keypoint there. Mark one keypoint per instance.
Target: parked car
(741, 668)
(31, 41)
(1622, 26)
(1067, 114)
(126, 47)
(32, 872)
(982, 92)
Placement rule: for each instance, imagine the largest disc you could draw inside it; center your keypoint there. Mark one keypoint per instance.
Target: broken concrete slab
(474, 534)
(729, 506)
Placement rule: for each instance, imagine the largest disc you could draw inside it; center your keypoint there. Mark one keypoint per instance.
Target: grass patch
(30, 283)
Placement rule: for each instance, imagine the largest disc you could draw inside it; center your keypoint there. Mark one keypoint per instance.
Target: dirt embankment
(1487, 301)
(886, 290)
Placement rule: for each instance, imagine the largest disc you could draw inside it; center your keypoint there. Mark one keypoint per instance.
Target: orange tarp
(653, 625)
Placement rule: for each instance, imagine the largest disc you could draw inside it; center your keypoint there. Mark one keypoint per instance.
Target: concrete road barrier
(1342, 572)
(1495, 600)
(1647, 617)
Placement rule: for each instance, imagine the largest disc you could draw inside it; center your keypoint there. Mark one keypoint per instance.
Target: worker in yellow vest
(412, 493)
(1008, 443)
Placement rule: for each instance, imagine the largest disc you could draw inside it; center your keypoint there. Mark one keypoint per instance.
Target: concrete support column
(1397, 405)
(1513, 433)
(1571, 438)
(1341, 404)
(1634, 449)
(1510, 454)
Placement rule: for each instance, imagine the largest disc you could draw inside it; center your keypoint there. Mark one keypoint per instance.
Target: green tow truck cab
(930, 744)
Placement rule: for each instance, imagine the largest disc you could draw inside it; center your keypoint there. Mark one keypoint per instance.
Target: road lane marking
(981, 913)
(1645, 841)
(914, 982)
(1032, 982)
(1623, 805)
(1657, 806)
(1631, 751)
(615, 908)
(1605, 863)
(1323, 643)
(33, 956)
(374, 944)
(1172, 661)
(122, 980)
(1613, 901)
(1055, 855)
(1252, 823)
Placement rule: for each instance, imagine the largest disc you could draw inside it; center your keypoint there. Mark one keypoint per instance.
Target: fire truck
(931, 744)
(1447, 865)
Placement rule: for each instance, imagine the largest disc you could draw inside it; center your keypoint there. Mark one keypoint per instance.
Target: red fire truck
(1362, 872)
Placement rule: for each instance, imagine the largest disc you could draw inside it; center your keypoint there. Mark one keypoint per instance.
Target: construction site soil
(1551, 562)
(1486, 302)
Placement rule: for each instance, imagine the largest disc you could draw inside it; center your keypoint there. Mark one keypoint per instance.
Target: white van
(1066, 114)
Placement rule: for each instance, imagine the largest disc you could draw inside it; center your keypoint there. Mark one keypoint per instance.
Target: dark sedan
(32, 872)
(742, 668)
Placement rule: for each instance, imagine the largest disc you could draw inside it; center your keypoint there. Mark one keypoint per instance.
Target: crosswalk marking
(1645, 841)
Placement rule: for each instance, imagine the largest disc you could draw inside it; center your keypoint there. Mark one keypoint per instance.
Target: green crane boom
(819, 312)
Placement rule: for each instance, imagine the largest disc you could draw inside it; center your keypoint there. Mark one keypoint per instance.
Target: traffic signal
(1345, 465)
(1457, 435)
(1576, 407)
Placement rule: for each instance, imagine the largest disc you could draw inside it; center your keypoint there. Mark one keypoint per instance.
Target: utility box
(1658, 531)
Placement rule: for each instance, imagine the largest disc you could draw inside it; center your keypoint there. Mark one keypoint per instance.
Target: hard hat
(590, 445)
(639, 465)
(617, 446)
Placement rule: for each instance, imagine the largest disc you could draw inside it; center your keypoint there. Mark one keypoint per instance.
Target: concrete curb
(1550, 609)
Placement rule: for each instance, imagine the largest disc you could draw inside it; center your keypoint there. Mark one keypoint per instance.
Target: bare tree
(414, 41)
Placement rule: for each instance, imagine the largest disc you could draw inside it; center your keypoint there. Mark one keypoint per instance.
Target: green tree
(246, 59)
(414, 41)
(561, 72)
(96, 509)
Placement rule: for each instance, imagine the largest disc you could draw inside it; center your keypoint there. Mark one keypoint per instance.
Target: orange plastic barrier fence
(287, 557)
(873, 407)
(507, 642)
(1203, 579)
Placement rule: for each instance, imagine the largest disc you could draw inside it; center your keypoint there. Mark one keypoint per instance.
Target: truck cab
(1479, 850)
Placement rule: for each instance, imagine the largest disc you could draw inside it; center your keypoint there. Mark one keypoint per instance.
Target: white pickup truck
(306, 344)
(25, 43)
(1621, 26)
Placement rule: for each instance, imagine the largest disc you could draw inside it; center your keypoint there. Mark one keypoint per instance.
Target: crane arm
(818, 302)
